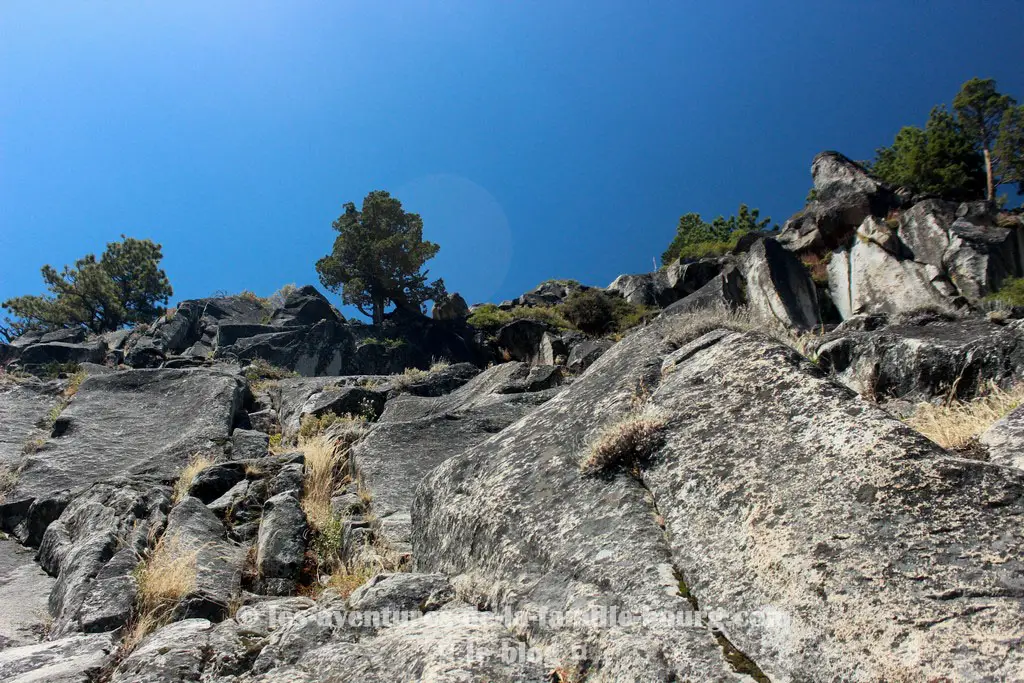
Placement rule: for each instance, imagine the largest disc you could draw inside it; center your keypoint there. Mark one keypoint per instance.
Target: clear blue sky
(537, 139)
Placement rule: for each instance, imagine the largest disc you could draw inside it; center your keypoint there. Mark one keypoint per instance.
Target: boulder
(147, 423)
(402, 591)
(818, 549)
(249, 444)
(835, 174)
(585, 353)
(636, 289)
(1005, 440)
(824, 225)
(191, 526)
(280, 550)
(924, 359)
(678, 279)
(177, 652)
(213, 482)
(865, 278)
(438, 381)
(318, 350)
(523, 339)
(346, 401)
(778, 286)
(548, 293)
(305, 306)
(230, 333)
(92, 549)
(454, 308)
(77, 658)
(724, 291)
(62, 353)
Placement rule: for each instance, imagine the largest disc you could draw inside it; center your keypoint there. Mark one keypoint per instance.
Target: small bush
(197, 464)
(260, 370)
(701, 250)
(1010, 293)
(349, 576)
(817, 266)
(626, 443)
(275, 442)
(313, 426)
(277, 299)
(590, 311)
(489, 316)
(956, 425)
(545, 314)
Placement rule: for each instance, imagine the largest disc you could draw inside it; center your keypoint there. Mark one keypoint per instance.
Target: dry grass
(439, 364)
(349, 576)
(625, 443)
(197, 464)
(74, 382)
(956, 425)
(8, 480)
(312, 427)
(165, 577)
(326, 462)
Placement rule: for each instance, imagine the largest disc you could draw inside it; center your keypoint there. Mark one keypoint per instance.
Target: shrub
(956, 425)
(627, 443)
(277, 299)
(590, 311)
(817, 266)
(1011, 292)
(313, 426)
(260, 371)
(489, 316)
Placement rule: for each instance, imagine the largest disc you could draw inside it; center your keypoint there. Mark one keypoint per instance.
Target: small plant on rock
(197, 464)
(626, 443)
(164, 577)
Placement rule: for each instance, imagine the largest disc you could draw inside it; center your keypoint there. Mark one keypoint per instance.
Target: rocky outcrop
(454, 308)
(142, 422)
(825, 528)
(75, 659)
(778, 287)
(24, 590)
(923, 358)
(389, 470)
(281, 547)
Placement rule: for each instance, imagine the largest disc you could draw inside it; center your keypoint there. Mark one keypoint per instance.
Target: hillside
(798, 461)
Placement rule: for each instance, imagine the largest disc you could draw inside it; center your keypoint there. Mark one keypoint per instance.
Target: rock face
(779, 287)
(280, 550)
(919, 360)
(24, 589)
(142, 422)
(1005, 440)
(24, 406)
(439, 427)
(825, 527)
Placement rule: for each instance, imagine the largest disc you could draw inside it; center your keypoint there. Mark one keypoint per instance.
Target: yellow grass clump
(955, 425)
(197, 464)
(164, 577)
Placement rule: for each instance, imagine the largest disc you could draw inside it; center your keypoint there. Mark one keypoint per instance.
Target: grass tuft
(164, 578)
(956, 425)
(625, 443)
(197, 464)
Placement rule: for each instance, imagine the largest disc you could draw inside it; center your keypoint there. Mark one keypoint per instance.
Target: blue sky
(537, 139)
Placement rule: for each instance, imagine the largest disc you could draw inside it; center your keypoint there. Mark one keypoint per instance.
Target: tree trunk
(990, 189)
(378, 308)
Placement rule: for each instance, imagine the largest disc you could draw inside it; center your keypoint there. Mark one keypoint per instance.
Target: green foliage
(378, 258)
(696, 238)
(981, 111)
(596, 312)
(260, 371)
(489, 316)
(1011, 292)
(590, 311)
(124, 286)
(1008, 152)
(939, 159)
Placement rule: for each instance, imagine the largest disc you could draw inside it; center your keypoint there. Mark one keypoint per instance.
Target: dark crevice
(738, 661)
